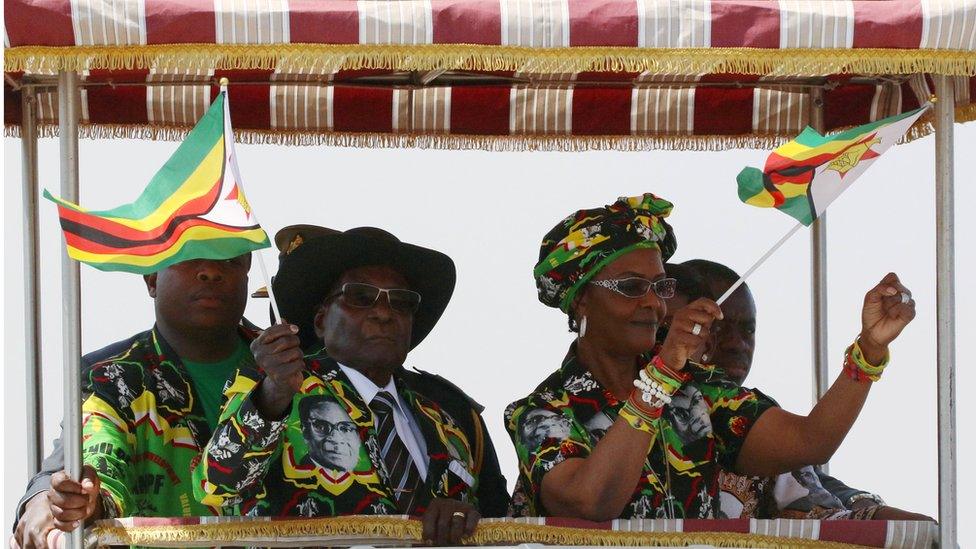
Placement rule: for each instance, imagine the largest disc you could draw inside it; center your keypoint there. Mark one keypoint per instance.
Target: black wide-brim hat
(309, 270)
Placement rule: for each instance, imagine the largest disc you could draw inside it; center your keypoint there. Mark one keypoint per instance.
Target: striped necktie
(403, 474)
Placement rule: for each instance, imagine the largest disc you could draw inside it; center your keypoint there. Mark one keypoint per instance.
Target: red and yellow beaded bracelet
(858, 368)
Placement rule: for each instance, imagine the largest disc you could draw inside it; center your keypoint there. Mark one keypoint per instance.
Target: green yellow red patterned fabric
(803, 176)
(267, 467)
(143, 430)
(577, 248)
(701, 431)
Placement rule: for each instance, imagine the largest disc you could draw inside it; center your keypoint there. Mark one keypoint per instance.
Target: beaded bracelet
(654, 393)
(639, 417)
(657, 370)
(858, 368)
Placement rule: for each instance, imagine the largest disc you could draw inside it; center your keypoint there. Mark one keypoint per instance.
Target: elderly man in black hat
(378, 438)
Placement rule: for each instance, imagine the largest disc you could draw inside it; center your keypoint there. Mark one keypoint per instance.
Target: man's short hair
(689, 282)
(712, 273)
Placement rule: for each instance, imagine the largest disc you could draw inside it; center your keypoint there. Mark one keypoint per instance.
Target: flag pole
(224, 82)
(756, 265)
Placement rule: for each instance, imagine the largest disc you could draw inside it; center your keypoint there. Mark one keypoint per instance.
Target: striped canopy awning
(496, 74)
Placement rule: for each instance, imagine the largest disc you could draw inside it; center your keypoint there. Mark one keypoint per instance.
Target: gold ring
(460, 514)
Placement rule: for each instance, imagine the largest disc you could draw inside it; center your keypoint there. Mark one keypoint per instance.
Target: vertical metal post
(818, 273)
(945, 308)
(32, 295)
(68, 113)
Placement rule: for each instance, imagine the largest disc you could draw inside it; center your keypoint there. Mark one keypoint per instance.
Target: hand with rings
(446, 521)
(690, 327)
(888, 308)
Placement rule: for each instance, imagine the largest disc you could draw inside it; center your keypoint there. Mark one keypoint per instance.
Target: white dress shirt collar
(406, 426)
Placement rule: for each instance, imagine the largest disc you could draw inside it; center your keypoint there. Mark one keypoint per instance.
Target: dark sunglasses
(358, 294)
(638, 287)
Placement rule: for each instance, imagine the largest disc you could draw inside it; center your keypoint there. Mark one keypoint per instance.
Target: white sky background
(489, 211)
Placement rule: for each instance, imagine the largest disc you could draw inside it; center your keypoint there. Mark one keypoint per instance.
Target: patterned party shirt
(144, 428)
(328, 466)
(701, 430)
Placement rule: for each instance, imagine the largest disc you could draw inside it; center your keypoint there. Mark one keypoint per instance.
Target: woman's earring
(582, 327)
(704, 358)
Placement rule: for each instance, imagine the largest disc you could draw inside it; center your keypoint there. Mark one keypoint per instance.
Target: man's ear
(150, 280)
(319, 323)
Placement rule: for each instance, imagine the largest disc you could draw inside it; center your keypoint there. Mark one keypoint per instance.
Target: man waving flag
(193, 208)
(804, 176)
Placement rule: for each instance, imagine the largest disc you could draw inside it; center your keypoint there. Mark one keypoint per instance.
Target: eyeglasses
(327, 427)
(357, 294)
(638, 287)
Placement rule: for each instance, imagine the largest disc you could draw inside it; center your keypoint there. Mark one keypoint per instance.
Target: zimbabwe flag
(193, 208)
(804, 176)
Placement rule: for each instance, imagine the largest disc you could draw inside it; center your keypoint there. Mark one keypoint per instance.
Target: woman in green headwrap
(628, 429)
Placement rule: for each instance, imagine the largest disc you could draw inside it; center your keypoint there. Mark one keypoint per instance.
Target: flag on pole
(804, 176)
(193, 208)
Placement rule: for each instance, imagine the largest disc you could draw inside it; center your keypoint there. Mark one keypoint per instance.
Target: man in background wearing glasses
(354, 304)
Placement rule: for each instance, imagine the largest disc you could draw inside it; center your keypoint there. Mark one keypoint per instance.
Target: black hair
(689, 282)
(306, 404)
(712, 275)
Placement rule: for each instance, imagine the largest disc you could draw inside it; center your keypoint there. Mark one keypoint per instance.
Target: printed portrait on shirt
(540, 424)
(688, 415)
(598, 425)
(325, 448)
(802, 489)
(331, 436)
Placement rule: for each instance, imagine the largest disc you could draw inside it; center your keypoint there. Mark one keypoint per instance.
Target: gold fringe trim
(494, 143)
(496, 533)
(319, 58)
(376, 527)
(925, 124)
(498, 143)
(407, 531)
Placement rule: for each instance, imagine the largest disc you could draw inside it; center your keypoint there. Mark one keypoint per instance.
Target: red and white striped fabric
(566, 116)
(907, 24)
(580, 74)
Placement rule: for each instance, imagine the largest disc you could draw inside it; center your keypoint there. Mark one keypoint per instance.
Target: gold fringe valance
(314, 58)
(498, 143)
(495, 143)
(488, 533)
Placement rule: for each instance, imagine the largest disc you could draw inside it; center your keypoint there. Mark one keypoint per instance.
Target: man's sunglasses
(638, 287)
(357, 294)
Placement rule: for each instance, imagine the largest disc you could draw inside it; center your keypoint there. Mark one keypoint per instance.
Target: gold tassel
(111, 533)
(496, 143)
(489, 532)
(499, 143)
(324, 58)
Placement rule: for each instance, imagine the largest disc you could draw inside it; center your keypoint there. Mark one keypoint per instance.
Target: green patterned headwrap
(576, 249)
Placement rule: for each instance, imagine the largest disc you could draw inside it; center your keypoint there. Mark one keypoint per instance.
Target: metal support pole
(945, 308)
(68, 113)
(32, 295)
(818, 273)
